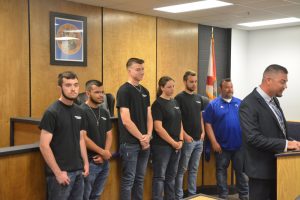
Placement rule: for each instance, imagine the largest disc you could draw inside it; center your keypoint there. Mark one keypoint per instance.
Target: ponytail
(159, 92)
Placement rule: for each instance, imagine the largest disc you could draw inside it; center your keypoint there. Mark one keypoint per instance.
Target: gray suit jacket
(262, 137)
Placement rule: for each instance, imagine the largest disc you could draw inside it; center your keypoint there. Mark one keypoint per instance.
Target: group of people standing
(75, 141)
(171, 130)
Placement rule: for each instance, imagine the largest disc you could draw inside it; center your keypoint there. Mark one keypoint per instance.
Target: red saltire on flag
(211, 81)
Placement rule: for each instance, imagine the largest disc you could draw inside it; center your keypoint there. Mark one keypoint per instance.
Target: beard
(93, 100)
(190, 89)
(69, 98)
(228, 96)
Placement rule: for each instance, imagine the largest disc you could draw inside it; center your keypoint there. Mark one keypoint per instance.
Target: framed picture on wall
(68, 39)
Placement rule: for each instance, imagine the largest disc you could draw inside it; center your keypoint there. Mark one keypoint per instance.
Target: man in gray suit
(264, 133)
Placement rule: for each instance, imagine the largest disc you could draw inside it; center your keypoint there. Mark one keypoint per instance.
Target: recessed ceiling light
(199, 5)
(271, 22)
(65, 38)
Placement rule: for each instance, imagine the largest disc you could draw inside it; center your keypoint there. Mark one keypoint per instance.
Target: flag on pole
(211, 81)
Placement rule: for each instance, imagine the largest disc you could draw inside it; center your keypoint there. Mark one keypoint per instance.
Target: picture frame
(68, 39)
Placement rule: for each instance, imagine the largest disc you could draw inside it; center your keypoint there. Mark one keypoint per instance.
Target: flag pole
(211, 81)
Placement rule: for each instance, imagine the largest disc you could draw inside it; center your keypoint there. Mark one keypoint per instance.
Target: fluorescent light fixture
(65, 38)
(199, 5)
(271, 22)
(73, 31)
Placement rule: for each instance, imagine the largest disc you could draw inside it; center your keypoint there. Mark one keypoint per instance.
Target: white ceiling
(226, 17)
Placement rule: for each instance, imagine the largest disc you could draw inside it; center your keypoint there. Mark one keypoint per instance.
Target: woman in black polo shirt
(167, 140)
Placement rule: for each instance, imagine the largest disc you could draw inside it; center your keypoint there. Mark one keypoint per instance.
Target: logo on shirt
(144, 95)
(236, 105)
(104, 118)
(77, 117)
(176, 107)
(198, 102)
(221, 106)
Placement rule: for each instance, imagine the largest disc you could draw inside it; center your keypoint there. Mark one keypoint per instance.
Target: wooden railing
(29, 126)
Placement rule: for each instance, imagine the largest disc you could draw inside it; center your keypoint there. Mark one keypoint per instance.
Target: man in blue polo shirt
(223, 130)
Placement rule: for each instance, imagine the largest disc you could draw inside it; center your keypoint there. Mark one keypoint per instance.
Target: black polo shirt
(137, 100)
(168, 112)
(96, 133)
(191, 106)
(64, 122)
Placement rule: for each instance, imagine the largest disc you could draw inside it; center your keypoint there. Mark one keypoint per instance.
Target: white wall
(239, 55)
(253, 51)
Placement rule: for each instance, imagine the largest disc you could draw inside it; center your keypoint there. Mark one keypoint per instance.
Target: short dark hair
(66, 75)
(224, 80)
(90, 83)
(188, 73)
(275, 68)
(134, 60)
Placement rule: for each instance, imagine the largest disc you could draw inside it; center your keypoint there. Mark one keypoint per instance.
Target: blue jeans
(222, 163)
(94, 183)
(189, 160)
(134, 165)
(73, 191)
(165, 164)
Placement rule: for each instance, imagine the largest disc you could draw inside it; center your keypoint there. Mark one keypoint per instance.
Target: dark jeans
(165, 163)
(73, 191)
(94, 183)
(222, 163)
(134, 165)
(260, 189)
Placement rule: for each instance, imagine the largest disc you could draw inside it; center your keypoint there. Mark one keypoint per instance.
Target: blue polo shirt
(224, 118)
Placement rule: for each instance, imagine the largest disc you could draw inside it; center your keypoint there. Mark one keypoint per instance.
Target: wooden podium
(288, 176)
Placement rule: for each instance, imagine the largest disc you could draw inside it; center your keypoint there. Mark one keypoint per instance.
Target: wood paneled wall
(168, 48)
(23, 176)
(14, 58)
(43, 75)
(127, 35)
(29, 82)
(26, 134)
(177, 49)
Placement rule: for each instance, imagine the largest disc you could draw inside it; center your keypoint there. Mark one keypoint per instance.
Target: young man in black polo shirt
(191, 106)
(62, 144)
(135, 127)
(98, 140)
